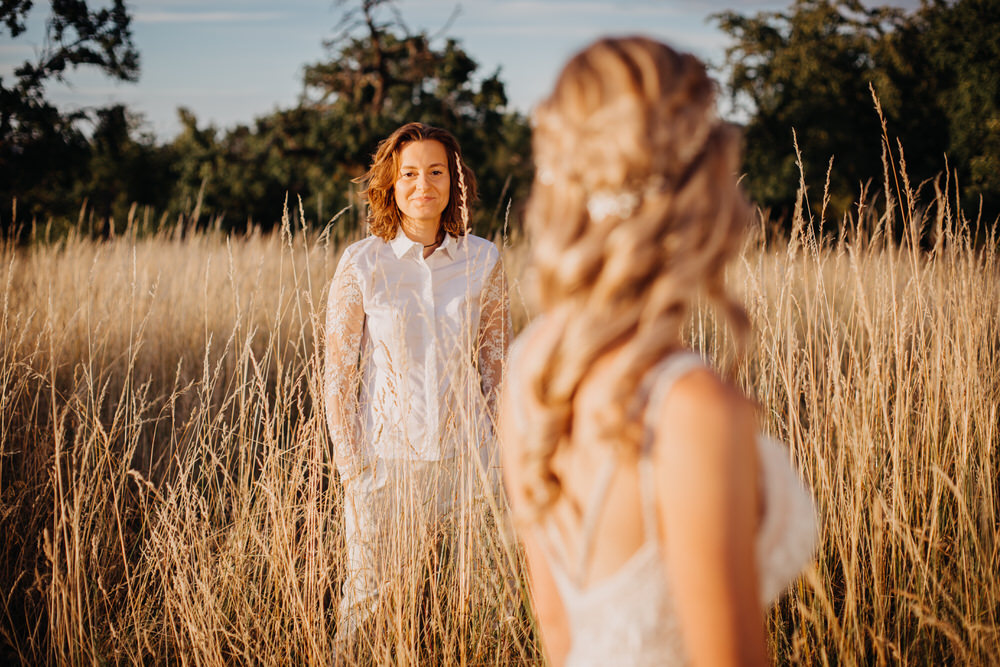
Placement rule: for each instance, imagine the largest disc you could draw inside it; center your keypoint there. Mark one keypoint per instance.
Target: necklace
(439, 239)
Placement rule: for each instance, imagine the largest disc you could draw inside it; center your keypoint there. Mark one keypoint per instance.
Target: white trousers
(391, 510)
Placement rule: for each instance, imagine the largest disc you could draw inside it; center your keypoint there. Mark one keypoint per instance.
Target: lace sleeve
(494, 334)
(345, 319)
(788, 534)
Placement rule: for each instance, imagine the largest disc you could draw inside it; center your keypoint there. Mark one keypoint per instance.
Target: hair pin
(603, 205)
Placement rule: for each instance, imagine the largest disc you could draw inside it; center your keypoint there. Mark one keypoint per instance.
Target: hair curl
(384, 216)
(630, 117)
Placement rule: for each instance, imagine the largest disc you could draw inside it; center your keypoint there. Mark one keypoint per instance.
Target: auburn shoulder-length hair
(384, 216)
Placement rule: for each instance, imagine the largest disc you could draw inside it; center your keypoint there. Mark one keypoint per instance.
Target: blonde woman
(417, 330)
(656, 522)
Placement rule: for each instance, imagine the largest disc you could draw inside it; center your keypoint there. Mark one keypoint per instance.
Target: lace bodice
(407, 340)
(626, 618)
(629, 618)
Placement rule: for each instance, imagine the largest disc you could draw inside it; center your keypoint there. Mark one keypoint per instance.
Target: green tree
(123, 167)
(949, 77)
(379, 76)
(809, 69)
(41, 148)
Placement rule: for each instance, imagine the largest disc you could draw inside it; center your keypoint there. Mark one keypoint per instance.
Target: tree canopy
(378, 77)
(41, 148)
(809, 69)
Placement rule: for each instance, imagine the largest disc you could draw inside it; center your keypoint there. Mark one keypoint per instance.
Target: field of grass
(167, 494)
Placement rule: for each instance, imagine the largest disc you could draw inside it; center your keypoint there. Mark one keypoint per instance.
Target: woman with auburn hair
(417, 330)
(656, 521)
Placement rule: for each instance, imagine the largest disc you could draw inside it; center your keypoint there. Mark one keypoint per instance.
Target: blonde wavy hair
(634, 214)
(384, 216)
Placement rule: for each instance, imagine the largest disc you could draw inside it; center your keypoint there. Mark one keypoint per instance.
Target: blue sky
(230, 61)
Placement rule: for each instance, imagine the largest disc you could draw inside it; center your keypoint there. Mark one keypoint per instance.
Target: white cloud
(162, 93)
(524, 9)
(16, 50)
(205, 17)
(532, 30)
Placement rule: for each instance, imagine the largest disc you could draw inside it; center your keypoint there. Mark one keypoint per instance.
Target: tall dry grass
(168, 496)
(879, 366)
(166, 478)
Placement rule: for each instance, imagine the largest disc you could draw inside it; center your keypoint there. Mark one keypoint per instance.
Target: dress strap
(654, 388)
(593, 511)
(647, 492)
(659, 380)
(588, 525)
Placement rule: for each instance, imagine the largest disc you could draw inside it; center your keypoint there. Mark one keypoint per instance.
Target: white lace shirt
(414, 349)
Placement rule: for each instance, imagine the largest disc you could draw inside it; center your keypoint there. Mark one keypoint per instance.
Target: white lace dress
(628, 618)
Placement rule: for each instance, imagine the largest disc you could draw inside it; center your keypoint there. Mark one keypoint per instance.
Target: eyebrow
(410, 166)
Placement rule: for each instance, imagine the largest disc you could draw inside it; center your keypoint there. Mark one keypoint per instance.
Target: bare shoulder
(702, 393)
(706, 468)
(705, 416)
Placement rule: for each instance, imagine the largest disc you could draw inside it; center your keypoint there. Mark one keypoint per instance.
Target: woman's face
(423, 183)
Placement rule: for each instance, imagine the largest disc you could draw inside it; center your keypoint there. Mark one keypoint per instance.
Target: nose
(422, 181)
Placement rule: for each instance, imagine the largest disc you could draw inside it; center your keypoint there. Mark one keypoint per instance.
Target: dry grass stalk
(168, 496)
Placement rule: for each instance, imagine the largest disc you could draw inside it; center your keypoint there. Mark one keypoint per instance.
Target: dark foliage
(808, 69)
(379, 77)
(42, 151)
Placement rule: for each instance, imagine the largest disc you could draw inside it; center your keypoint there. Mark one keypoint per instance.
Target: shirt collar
(450, 245)
(402, 244)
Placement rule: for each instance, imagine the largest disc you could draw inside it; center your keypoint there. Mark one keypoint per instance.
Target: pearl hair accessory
(602, 205)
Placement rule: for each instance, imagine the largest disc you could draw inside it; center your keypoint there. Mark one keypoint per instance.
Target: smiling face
(423, 184)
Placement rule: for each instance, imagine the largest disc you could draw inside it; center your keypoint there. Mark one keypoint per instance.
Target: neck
(423, 232)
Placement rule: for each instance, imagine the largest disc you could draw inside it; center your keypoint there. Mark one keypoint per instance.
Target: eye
(407, 174)
(438, 172)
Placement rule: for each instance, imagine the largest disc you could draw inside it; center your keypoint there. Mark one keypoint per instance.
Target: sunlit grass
(168, 493)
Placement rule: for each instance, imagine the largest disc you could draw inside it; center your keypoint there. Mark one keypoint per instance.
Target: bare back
(608, 528)
(618, 530)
